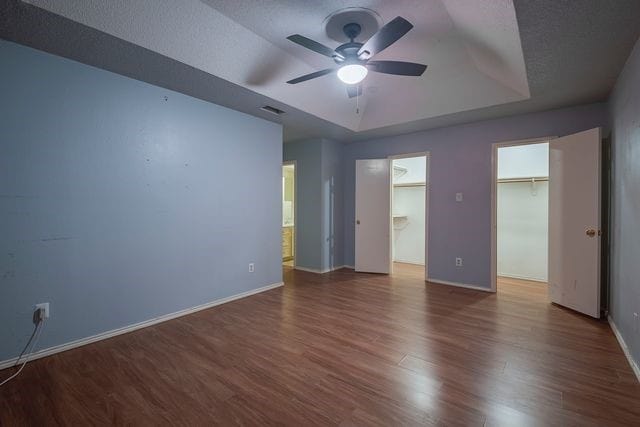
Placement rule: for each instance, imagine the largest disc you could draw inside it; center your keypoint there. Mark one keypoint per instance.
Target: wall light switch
(458, 197)
(251, 268)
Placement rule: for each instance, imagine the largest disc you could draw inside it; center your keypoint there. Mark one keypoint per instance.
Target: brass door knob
(590, 232)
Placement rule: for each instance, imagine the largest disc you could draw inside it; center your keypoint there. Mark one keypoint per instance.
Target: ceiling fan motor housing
(349, 50)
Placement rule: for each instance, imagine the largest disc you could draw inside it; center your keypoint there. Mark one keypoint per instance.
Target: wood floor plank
(344, 348)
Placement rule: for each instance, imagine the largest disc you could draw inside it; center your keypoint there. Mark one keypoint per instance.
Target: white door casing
(574, 221)
(373, 216)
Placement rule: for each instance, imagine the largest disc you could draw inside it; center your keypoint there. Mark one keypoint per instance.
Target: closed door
(373, 216)
(574, 221)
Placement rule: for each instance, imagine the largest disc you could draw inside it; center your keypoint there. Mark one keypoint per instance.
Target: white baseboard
(634, 366)
(459, 285)
(515, 276)
(421, 264)
(318, 271)
(308, 270)
(130, 328)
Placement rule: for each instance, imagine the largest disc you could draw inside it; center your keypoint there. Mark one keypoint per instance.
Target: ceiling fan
(353, 59)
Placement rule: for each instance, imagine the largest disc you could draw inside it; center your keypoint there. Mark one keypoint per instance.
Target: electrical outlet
(40, 312)
(635, 322)
(251, 267)
(458, 262)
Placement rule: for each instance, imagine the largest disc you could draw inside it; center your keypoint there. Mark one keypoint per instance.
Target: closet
(522, 211)
(408, 210)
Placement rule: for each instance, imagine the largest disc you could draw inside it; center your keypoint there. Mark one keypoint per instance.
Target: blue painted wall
(319, 192)
(332, 204)
(461, 162)
(308, 157)
(121, 201)
(624, 107)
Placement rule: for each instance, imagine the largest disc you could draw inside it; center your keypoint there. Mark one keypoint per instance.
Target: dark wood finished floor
(344, 349)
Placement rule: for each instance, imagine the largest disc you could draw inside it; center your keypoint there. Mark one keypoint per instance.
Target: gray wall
(624, 107)
(319, 221)
(461, 162)
(118, 205)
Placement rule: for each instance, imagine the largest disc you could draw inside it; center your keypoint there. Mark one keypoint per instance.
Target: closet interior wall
(523, 202)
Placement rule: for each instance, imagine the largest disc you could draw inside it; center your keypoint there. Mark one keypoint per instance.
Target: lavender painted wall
(121, 201)
(624, 108)
(461, 162)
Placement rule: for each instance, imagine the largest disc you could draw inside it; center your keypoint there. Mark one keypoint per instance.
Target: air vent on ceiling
(272, 110)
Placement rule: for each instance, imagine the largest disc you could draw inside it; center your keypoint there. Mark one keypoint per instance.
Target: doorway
(408, 215)
(571, 237)
(522, 217)
(288, 214)
(376, 188)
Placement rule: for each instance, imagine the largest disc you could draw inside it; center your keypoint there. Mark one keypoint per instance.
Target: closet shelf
(532, 179)
(398, 171)
(410, 184)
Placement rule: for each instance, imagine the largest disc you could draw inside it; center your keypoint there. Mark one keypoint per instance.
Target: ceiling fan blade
(314, 46)
(399, 68)
(311, 76)
(354, 90)
(385, 37)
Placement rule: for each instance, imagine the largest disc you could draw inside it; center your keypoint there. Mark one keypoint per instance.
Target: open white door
(574, 221)
(373, 216)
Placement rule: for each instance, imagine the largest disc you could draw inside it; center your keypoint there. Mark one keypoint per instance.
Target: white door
(373, 216)
(574, 221)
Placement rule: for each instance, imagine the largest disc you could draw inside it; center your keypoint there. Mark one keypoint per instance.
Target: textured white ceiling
(573, 51)
(472, 49)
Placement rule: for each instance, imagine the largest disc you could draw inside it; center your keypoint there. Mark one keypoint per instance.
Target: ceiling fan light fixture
(352, 74)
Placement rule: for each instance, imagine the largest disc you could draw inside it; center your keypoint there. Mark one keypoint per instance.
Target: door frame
(494, 198)
(427, 190)
(293, 163)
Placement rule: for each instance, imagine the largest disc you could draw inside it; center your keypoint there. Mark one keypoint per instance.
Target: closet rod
(531, 180)
(410, 184)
